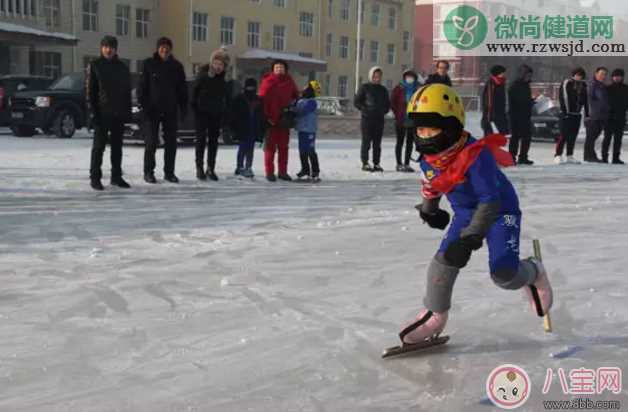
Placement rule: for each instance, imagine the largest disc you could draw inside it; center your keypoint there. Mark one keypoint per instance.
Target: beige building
(317, 37)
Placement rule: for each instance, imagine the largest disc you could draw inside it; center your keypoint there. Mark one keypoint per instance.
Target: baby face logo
(465, 27)
(508, 386)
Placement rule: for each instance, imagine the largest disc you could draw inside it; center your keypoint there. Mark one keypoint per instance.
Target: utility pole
(357, 48)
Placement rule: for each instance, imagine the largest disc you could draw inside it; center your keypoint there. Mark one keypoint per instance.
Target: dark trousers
(372, 132)
(500, 122)
(207, 133)
(569, 127)
(169, 125)
(594, 128)
(307, 154)
(246, 149)
(407, 135)
(614, 131)
(110, 130)
(521, 133)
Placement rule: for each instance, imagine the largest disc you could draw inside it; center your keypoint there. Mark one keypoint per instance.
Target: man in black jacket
(209, 101)
(373, 101)
(441, 76)
(108, 95)
(573, 98)
(520, 104)
(494, 102)
(162, 90)
(618, 98)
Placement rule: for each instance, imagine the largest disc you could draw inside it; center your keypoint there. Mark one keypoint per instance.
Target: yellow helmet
(434, 105)
(315, 86)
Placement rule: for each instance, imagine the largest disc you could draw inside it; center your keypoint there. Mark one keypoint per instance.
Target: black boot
(305, 167)
(150, 178)
(285, 178)
(170, 177)
(271, 178)
(120, 182)
(604, 157)
(525, 161)
(366, 167)
(378, 168)
(617, 161)
(96, 184)
(212, 175)
(200, 173)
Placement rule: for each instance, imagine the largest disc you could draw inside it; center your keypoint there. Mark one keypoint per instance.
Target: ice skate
(540, 293)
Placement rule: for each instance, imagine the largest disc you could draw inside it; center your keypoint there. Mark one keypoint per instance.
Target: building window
(123, 14)
(18, 6)
(90, 15)
(279, 38)
(327, 84)
(344, 10)
(374, 51)
(343, 82)
(227, 28)
(252, 37)
(34, 8)
(330, 8)
(389, 84)
(406, 41)
(375, 14)
(51, 9)
(142, 19)
(362, 41)
(306, 24)
(391, 54)
(329, 44)
(279, 3)
(344, 47)
(45, 64)
(139, 66)
(362, 12)
(199, 26)
(392, 18)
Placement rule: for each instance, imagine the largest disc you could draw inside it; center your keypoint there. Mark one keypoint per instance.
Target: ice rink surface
(250, 296)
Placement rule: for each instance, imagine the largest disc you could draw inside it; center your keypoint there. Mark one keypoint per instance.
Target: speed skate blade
(414, 347)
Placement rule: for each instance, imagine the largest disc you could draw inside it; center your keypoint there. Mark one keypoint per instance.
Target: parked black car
(59, 109)
(187, 128)
(545, 119)
(10, 84)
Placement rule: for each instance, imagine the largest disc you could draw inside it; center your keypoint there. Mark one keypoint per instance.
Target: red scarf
(454, 163)
(498, 80)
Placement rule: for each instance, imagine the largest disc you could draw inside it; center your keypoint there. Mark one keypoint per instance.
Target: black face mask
(437, 143)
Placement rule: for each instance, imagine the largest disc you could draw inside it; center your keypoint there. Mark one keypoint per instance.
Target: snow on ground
(251, 296)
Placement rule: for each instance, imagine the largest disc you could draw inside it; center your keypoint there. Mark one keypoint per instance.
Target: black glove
(439, 219)
(459, 251)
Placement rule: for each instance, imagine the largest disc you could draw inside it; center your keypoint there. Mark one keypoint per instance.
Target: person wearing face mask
(401, 95)
(520, 105)
(247, 122)
(485, 206)
(209, 102)
(278, 91)
(162, 94)
(494, 102)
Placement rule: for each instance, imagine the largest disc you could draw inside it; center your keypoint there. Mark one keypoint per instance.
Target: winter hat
(410, 72)
(497, 70)
(580, 71)
(278, 61)
(164, 41)
(373, 70)
(250, 83)
(220, 55)
(618, 72)
(109, 41)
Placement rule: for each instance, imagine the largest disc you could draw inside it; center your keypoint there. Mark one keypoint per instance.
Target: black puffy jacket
(108, 89)
(520, 100)
(162, 86)
(209, 94)
(372, 100)
(437, 78)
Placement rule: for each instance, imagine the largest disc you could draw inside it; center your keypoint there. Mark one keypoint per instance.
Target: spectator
(307, 126)
(618, 99)
(598, 113)
(373, 102)
(401, 95)
(209, 102)
(494, 102)
(520, 105)
(441, 75)
(572, 99)
(247, 122)
(162, 90)
(278, 91)
(108, 92)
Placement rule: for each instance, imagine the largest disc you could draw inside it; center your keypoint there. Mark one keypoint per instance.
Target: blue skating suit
(485, 183)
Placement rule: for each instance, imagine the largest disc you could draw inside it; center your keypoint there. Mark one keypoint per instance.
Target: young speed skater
(307, 125)
(485, 206)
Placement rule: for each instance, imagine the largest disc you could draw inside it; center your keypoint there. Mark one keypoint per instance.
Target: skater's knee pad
(440, 284)
(508, 278)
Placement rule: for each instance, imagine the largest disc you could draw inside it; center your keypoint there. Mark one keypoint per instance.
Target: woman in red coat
(277, 91)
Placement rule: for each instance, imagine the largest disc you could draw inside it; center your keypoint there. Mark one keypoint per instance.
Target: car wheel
(64, 125)
(23, 131)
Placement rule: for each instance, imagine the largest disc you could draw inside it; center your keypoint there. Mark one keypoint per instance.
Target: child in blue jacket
(307, 126)
(485, 206)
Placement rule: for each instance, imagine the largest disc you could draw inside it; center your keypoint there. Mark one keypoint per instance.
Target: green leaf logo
(465, 27)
